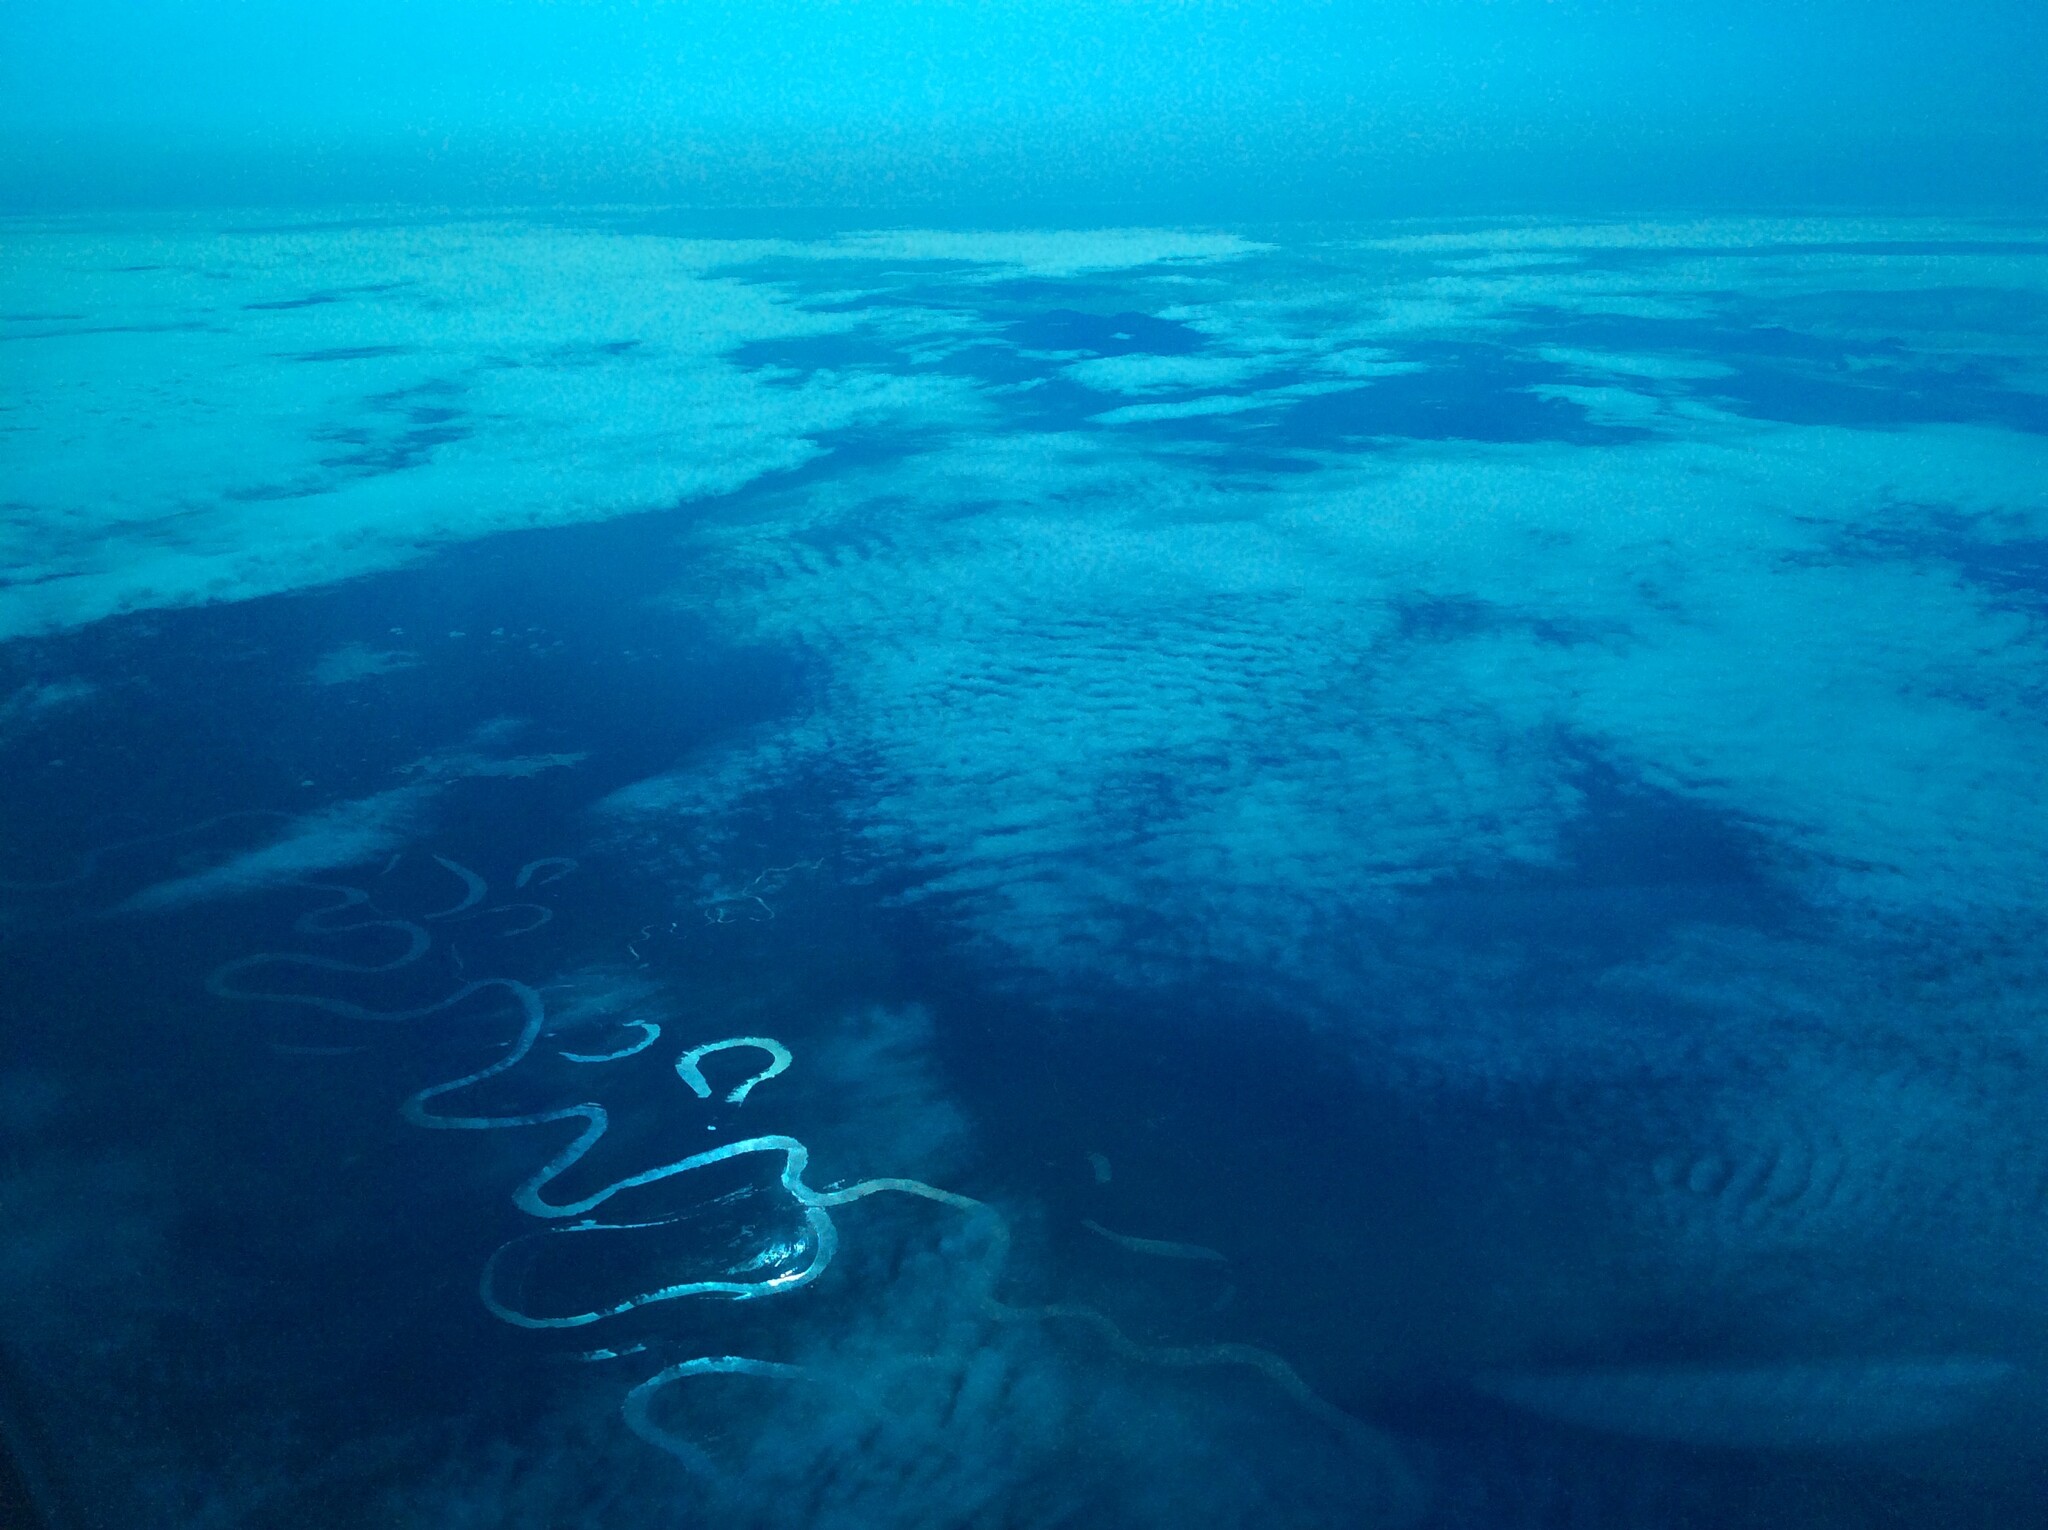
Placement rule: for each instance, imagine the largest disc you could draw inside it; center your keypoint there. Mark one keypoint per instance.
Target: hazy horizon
(1192, 109)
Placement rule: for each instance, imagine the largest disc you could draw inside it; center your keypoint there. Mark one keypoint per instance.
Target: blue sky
(1204, 105)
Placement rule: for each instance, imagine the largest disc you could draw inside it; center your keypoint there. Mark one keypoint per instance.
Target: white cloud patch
(1149, 685)
(1667, 368)
(345, 834)
(217, 416)
(358, 661)
(1095, 684)
(1130, 715)
(1187, 409)
(355, 831)
(1046, 252)
(262, 412)
(31, 703)
(1160, 374)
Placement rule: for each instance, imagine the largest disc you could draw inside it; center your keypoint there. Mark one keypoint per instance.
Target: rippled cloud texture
(1147, 567)
(1596, 665)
